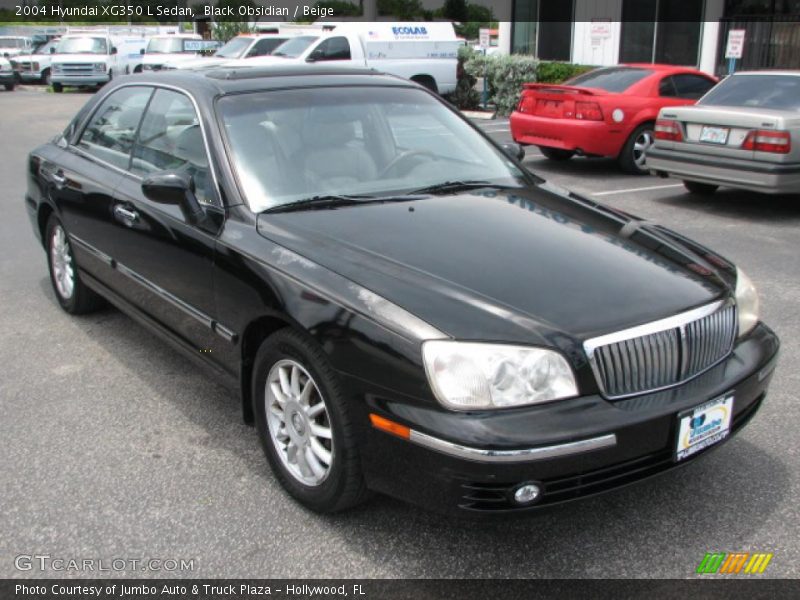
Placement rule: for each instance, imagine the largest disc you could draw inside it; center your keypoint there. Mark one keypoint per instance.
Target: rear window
(615, 79)
(780, 92)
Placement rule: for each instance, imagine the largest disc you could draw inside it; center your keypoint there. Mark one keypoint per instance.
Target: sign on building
(735, 43)
(484, 36)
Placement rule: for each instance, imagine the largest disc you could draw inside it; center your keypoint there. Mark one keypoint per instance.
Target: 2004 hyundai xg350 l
(400, 305)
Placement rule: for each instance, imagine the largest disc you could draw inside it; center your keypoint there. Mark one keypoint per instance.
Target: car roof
(775, 72)
(216, 80)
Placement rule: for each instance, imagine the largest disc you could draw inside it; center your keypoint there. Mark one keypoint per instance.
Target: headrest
(190, 147)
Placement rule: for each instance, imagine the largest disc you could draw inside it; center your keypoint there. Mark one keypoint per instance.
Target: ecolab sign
(409, 31)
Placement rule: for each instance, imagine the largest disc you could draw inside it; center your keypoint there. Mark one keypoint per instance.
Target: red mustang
(606, 112)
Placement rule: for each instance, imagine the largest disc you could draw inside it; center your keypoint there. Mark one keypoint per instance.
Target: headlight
(467, 375)
(99, 66)
(746, 302)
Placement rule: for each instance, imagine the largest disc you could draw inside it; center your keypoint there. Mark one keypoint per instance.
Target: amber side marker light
(390, 426)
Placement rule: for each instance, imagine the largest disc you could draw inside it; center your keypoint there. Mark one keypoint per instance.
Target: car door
(83, 179)
(168, 260)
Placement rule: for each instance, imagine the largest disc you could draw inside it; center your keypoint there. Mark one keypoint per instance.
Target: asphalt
(113, 446)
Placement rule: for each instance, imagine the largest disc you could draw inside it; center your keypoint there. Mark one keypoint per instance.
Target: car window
(779, 92)
(691, 86)
(265, 46)
(614, 79)
(666, 88)
(335, 48)
(170, 139)
(110, 133)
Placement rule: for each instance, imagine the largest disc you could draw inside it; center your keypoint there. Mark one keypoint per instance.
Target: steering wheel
(402, 157)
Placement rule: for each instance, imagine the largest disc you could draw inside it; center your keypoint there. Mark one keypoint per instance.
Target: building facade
(679, 32)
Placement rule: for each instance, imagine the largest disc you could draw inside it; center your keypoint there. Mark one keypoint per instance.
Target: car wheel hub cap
(61, 259)
(298, 421)
(641, 146)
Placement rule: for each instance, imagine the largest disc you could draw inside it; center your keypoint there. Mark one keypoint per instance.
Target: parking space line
(640, 189)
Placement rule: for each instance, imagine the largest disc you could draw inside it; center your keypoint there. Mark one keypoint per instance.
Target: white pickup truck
(423, 52)
(91, 59)
(36, 67)
(170, 49)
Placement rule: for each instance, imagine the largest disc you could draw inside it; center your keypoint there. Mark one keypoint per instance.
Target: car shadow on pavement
(739, 204)
(581, 167)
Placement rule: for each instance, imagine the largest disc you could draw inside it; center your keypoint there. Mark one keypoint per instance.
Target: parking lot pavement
(113, 446)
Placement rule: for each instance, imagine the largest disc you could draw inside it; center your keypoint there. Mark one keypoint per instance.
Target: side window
(110, 133)
(264, 47)
(335, 48)
(170, 139)
(667, 88)
(692, 86)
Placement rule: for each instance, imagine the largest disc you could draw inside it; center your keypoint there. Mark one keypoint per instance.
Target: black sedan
(400, 306)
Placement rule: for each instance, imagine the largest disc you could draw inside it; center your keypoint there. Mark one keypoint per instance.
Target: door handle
(126, 214)
(59, 178)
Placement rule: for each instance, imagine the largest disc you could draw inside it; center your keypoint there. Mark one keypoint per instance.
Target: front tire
(58, 88)
(556, 154)
(10, 87)
(633, 157)
(73, 296)
(304, 425)
(702, 189)
(46, 77)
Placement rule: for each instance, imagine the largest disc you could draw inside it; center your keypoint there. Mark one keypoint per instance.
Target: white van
(14, 45)
(423, 52)
(93, 58)
(164, 49)
(36, 67)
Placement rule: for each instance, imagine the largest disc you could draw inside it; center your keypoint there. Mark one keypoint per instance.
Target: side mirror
(113, 49)
(141, 51)
(513, 150)
(52, 49)
(171, 187)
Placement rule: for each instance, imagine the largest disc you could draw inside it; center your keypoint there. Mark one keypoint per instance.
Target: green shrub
(557, 72)
(505, 75)
(465, 96)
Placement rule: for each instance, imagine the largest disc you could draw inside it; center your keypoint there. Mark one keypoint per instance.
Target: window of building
(651, 31)
(543, 28)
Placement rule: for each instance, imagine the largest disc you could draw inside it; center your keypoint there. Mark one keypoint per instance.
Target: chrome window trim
(154, 87)
(678, 321)
(510, 456)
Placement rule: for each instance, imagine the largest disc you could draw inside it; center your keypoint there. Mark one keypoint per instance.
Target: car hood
(528, 265)
(168, 57)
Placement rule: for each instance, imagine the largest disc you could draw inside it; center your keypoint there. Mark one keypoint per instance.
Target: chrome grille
(664, 353)
(75, 68)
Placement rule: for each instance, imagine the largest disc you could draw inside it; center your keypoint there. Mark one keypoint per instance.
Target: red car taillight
(588, 111)
(668, 130)
(777, 142)
(527, 103)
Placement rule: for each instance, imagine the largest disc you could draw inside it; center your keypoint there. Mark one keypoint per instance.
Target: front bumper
(626, 440)
(30, 75)
(594, 138)
(78, 80)
(771, 178)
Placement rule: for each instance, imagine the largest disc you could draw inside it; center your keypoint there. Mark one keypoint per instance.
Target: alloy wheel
(61, 258)
(299, 423)
(641, 145)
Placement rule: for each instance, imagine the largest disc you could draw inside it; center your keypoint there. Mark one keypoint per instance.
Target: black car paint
(535, 266)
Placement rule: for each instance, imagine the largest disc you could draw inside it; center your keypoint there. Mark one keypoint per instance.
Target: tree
(455, 10)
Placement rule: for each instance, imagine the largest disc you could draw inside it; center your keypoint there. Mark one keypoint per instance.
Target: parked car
(745, 133)
(608, 112)
(36, 67)
(171, 49)
(245, 46)
(13, 45)
(8, 78)
(400, 305)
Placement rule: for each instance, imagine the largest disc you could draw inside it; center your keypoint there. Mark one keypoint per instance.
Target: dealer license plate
(703, 426)
(714, 135)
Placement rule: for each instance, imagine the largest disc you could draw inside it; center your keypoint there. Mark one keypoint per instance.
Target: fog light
(526, 493)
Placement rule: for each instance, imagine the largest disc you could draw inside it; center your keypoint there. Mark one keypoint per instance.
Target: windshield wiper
(455, 186)
(326, 201)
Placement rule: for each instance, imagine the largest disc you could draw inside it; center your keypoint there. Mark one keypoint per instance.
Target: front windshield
(234, 48)
(83, 45)
(291, 145)
(165, 46)
(294, 47)
(12, 42)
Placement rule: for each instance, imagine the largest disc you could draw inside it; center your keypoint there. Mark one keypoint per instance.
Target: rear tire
(58, 88)
(46, 77)
(73, 296)
(633, 157)
(287, 420)
(10, 87)
(426, 81)
(556, 153)
(701, 189)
